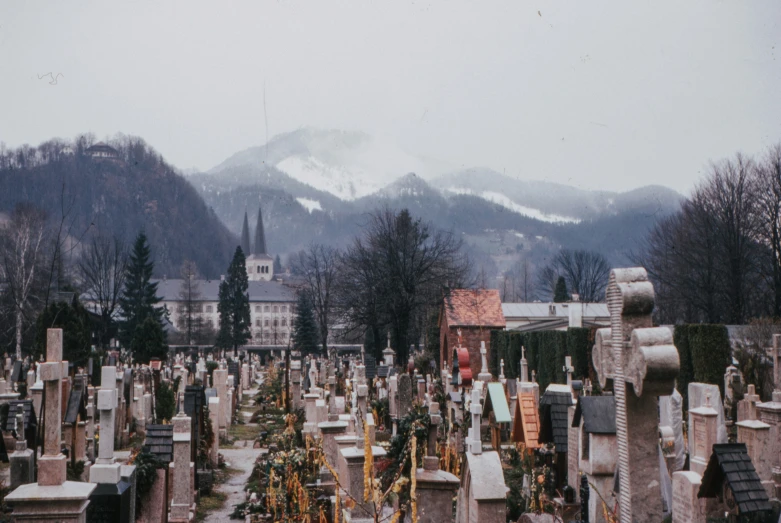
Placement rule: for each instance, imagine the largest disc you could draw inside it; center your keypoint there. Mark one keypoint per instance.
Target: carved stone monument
(642, 363)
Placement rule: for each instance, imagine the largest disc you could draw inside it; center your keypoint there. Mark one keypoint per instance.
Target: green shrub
(579, 348)
(711, 353)
(165, 402)
(686, 372)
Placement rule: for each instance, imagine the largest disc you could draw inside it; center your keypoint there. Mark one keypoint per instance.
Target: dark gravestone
(110, 503)
(127, 386)
(233, 370)
(405, 395)
(77, 403)
(194, 403)
(371, 367)
(16, 373)
(30, 421)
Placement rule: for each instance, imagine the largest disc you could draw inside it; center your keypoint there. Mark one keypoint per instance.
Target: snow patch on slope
(504, 201)
(310, 205)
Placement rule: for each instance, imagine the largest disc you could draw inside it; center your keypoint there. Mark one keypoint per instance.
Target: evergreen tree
(305, 332)
(149, 341)
(139, 296)
(277, 265)
(234, 305)
(561, 295)
(74, 321)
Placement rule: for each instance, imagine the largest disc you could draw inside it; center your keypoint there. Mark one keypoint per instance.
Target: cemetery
(624, 423)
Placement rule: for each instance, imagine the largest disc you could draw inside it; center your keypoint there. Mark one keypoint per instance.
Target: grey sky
(609, 95)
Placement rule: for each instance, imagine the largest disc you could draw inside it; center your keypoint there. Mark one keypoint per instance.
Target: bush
(165, 401)
(711, 353)
(686, 372)
(579, 347)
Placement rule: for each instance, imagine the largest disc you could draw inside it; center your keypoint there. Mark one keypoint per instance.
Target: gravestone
(182, 508)
(687, 508)
(671, 415)
(405, 395)
(642, 363)
(697, 394)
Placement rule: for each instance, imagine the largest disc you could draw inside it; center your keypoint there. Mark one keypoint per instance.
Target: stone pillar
(436, 490)
(332, 395)
(182, 502)
(105, 469)
(756, 435)
(770, 413)
(220, 382)
(246, 384)
(687, 508)
(214, 417)
(295, 384)
(351, 479)
(310, 414)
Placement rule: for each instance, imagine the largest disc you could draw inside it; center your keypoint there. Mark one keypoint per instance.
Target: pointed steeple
(260, 235)
(245, 236)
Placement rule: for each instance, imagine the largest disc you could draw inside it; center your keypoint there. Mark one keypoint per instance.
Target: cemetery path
(243, 459)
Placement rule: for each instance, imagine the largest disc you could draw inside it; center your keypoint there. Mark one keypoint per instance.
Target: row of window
(210, 308)
(266, 322)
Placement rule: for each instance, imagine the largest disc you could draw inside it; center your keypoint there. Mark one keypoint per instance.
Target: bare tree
(102, 269)
(319, 265)
(189, 292)
(23, 251)
(517, 284)
(769, 208)
(586, 273)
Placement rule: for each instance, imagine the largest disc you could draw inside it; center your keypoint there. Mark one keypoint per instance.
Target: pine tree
(234, 305)
(149, 341)
(74, 321)
(277, 265)
(139, 297)
(561, 295)
(305, 332)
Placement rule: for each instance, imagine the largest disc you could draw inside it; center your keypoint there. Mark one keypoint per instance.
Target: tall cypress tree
(305, 331)
(234, 305)
(561, 294)
(139, 297)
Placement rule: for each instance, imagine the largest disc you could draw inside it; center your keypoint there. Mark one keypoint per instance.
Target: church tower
(260, 266)
(245, 236)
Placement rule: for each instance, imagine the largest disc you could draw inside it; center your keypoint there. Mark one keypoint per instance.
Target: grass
(238, 432)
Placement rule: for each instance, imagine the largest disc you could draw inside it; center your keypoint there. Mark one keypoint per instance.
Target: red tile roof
(474, 308)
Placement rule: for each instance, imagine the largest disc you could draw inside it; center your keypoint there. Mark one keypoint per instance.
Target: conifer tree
(561, 295)
(149, 341)
(305, 331)
(139, 297)
(234, 305)
(277, 265)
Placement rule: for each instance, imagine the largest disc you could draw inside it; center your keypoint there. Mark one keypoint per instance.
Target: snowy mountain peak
(347, 164)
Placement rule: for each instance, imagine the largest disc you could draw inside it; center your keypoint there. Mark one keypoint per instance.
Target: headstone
(747, 407)
(632, 352)
(214, 417)
(405, 395)
(182, 508)
(687, 507)
(671, 415)
(702, 436)
(696, 397)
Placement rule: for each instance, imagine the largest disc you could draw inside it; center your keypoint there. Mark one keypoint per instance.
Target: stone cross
(474, 444)
(484, 375)
(105, 469)
(524, 366)
(435, 420)
(747, 407)
(51, 465)
(642, 363)
(501, 370)
(569, 369)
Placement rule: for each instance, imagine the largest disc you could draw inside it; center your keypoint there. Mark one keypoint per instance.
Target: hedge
(705, 353)
(545, 353)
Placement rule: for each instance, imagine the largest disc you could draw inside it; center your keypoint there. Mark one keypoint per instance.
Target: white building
(536, 316)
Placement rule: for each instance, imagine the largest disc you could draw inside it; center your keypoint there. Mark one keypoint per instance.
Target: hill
(119, 197)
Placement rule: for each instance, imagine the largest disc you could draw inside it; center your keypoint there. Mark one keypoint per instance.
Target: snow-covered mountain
(347, 164)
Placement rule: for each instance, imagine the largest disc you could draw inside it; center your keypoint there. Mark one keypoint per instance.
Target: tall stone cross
(524, 366)
(642, 364)
(106, 469)
(569, 369)
(51, 465)
(474, 444)
(484, 375)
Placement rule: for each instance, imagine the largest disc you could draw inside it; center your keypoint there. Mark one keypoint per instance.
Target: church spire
(245, 236)
(260, 235)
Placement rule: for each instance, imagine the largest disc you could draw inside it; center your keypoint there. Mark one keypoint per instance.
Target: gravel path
(237, 458)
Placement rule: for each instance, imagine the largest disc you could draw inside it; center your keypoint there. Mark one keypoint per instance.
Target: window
(257, 308)
(266, 322)
(209, 308)
(258, 269)
(266, 308)
(284, 308)
(276, 309)
(257, 322)
(284, 322)
(276, 322)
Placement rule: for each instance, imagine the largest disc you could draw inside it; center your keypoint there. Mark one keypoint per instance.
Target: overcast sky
(609, 95)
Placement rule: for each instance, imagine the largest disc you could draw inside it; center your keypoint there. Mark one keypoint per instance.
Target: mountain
(347, 164)
(119, 197)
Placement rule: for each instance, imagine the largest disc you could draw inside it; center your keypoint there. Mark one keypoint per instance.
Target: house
(102, 151)
(539, 316)
(467, 318)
